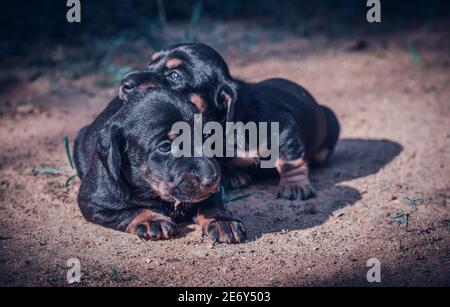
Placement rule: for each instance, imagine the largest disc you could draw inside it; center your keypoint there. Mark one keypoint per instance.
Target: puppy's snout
(194, 179)
(128, 85)
(186, 179)
(138, 81)
(189, 186)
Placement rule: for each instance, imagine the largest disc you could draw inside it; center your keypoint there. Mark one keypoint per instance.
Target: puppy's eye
(174, 75)
(165, 146)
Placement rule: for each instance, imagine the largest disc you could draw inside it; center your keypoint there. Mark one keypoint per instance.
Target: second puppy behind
(308, 131)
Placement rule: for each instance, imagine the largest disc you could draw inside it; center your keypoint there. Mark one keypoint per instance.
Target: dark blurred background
(25, 22)
(36, 33)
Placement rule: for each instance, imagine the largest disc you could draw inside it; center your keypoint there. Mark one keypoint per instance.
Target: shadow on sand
(353, 158)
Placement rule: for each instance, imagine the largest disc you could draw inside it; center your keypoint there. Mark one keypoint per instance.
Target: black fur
(131, 182)
(308, 131)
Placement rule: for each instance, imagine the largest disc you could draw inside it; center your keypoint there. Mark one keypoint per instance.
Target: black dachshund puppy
(130, 180)
(308, 131)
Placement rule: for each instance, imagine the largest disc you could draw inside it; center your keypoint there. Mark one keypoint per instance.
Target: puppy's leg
(145, 223)
(107, 202)
(149, 225)
(293, 169)
(294, 180)
(217, 223)
(235, 178)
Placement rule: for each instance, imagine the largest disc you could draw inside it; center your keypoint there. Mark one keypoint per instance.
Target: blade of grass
(401, 217)
(114, 273)
(69, 180)
(67, 148)
(433, 9)
(47, 170)
(232, 198)
(222, 192)
(414, 53)
(195, 18)
(162, 13)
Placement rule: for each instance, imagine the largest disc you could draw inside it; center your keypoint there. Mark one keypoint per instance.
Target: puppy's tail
(77, 154)
(333, 129)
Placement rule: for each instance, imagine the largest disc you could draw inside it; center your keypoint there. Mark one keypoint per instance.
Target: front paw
(236, 180)
(149, 225)
(293, 191)
(225, 231)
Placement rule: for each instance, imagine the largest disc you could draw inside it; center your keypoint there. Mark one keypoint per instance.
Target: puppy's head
(194, 70)
(135, 146)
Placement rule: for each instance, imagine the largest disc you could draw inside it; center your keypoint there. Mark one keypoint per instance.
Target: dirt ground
(394, 153)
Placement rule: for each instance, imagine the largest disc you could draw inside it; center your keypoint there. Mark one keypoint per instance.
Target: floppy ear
(109, 149)
(226, 97)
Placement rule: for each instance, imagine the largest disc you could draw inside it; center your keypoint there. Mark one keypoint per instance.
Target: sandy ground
(395, 145)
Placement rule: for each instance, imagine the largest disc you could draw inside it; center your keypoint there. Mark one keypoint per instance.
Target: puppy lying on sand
(130, 181)
(308, 131)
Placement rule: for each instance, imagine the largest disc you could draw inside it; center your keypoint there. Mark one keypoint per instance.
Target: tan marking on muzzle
(172, 63)
(144, 168)
(146, 85)
(159, 187)
(198, 101)
(193, 186)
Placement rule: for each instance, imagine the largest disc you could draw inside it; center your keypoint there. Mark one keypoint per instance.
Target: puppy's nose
(185, 178)
(191, 179)
(128, 84)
